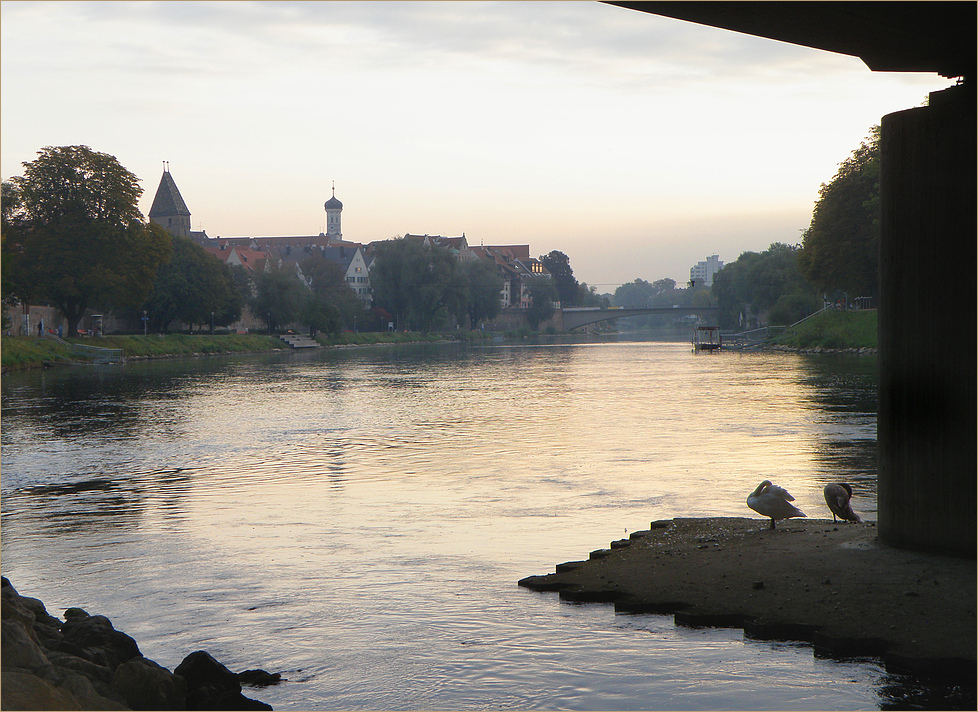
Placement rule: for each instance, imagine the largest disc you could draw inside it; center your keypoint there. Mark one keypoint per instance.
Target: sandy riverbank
(832, 584)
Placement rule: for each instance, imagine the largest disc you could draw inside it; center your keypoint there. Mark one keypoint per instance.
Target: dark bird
(838, 498)
(774, 502)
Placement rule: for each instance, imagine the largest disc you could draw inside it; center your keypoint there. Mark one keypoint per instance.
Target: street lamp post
(212, 323)
(145, 319)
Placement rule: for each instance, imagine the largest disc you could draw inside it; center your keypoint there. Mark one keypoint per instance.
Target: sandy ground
(829, 583)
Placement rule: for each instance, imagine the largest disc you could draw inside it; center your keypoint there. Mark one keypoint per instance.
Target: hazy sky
(636, 144)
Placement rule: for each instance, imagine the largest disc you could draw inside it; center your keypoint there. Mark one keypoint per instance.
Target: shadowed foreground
(832, 584)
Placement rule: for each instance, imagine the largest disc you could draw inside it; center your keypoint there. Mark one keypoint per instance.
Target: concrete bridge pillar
(927, 326)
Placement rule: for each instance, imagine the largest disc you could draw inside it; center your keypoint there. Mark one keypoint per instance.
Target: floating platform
(707, 338)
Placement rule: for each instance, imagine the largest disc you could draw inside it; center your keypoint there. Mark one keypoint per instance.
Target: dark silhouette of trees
(484, 285)
(840, 249)
(558, 264)
(77, 235)
(416, 283)
(332, 303)
(640, 293)
(768, 283)
(542, 293)
(191, 286)
(279, 297)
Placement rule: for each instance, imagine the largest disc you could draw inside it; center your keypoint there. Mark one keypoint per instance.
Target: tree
(279, 297)
(10, 253)
(640, 293)
(840, 249)
(484, 286)
(542, 294)
(319, 314)
(558, 264)
(766, 282)
(340, 304)
(79, 233)
(588, 297)
(415, 282)
(191, 286)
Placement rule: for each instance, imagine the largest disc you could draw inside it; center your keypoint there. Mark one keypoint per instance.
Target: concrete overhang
(888, 36)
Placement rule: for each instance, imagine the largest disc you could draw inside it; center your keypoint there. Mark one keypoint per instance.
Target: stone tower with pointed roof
(333, 209)
(169, 211)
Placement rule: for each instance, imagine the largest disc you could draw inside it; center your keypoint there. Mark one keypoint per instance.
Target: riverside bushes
(834, 330)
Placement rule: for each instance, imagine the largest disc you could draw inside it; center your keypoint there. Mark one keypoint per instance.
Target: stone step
(298, 341)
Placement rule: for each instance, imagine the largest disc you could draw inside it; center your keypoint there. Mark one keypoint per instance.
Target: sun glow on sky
(636, 144)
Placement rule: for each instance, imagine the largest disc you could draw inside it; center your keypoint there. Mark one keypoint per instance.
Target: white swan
(774, 502)
(837, 497)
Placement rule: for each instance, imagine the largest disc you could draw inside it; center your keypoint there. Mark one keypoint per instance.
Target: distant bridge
(577, 317)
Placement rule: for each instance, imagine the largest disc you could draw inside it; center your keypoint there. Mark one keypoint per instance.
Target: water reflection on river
(359, 519)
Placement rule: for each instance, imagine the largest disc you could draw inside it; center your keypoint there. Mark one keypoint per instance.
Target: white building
(704, 271)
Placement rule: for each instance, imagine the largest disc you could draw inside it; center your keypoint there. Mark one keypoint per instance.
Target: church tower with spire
(333, 209)
(169, 211)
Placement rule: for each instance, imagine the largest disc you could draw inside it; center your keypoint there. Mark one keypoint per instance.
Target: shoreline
(831, 584)
(83, 662)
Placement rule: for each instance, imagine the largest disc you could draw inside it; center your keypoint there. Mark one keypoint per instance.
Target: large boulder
(145, 685)
(24, 691)
(99, 641)
(19, 649)
(211, 686)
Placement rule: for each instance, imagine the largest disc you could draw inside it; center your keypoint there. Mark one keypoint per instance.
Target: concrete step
(298, 341)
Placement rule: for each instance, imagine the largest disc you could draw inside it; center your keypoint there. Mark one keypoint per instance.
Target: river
(358, 519)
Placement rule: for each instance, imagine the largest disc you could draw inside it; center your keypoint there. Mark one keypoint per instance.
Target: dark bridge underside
(888, 36)
(576, 318)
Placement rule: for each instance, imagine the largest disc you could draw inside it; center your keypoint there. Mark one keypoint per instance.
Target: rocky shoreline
(849, 351)
(83, 663)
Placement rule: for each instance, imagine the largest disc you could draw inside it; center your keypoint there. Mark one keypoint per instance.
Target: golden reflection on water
(346, 497)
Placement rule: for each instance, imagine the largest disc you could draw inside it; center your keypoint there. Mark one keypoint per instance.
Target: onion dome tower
(333, 209)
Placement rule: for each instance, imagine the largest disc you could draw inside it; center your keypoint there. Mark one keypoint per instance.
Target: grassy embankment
(834, 330)
(21, 352)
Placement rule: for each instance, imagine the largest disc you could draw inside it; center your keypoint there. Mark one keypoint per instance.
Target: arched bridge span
(575, 318)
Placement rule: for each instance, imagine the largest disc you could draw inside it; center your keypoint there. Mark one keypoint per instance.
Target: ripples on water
(360, 519)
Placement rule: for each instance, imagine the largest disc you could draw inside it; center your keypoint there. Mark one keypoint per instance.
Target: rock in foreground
(83, 663)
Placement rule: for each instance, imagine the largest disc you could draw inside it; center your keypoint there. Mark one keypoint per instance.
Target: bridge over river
(577, 317)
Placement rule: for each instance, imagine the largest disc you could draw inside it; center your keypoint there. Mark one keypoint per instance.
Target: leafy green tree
(243, 285)
(840, 249)
(542, 295)
(279, 298)
(588, 297)
(320, 314)
(79, 233)
(484, 285)
(11, 292)
(755, 283)
(634, 294)
(190, 287)
(327, 282)
(640, 293)
(558, 264)
(415, 282)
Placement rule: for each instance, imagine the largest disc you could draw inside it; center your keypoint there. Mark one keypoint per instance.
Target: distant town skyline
(637, 145)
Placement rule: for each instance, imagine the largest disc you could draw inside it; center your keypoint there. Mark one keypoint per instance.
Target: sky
(637, 145)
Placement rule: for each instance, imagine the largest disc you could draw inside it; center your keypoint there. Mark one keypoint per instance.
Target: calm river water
(358, 519)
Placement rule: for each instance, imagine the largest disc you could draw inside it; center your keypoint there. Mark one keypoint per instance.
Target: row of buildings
(258, 254)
